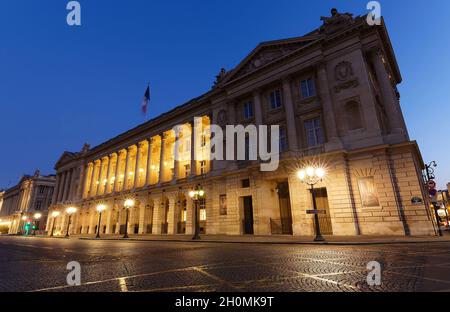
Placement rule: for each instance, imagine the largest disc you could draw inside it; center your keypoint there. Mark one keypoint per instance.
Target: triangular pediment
(65, 157)
(266, 53)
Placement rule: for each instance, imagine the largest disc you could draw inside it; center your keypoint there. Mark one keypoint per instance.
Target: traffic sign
(316, 212)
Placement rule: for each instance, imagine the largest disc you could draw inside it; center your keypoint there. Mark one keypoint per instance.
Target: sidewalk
(275, 239)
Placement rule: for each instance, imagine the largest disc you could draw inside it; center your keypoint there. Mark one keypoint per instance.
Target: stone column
(116, 177)
(127, 167)
(72, 189)
(156, 228)
(56, 190)
(193, 151)
(137, 166)
(69, 184)
(161, 160)
(290, 115)
(176, 169)
(130, 220)
(100, 174)
(119, 221)
(148, 174)
(108, 175)
(108, 221)
(81, 182)
(142, 209)
(390, 101)
(61, 190)
(258, 108)
(171, 216)
(92, 186)
(92, 218)
(87, 186)
(333, 142)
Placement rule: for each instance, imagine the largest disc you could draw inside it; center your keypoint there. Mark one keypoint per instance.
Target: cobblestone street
(39, 264)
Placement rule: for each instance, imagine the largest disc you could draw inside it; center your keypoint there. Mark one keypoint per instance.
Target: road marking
(214, 277)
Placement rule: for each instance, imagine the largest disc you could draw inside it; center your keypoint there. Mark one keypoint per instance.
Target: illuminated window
(202, 167)
(187, 170)
(202, 206)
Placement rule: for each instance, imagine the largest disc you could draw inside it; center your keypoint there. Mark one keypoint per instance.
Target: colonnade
(171, 156)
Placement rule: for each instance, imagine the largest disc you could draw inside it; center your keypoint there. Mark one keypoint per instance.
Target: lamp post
(55, 214)
(70, 211)
(312, 176)
(129, 203)
(100, 209)
(197, 194)
(37, 216)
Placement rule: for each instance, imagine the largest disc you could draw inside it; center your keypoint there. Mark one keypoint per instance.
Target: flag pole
(146, 111)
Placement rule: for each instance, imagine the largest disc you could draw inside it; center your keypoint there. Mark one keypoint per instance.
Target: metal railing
(281, 226)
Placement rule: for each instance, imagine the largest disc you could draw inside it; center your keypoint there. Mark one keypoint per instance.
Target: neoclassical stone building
(33, 194)
(332, 92)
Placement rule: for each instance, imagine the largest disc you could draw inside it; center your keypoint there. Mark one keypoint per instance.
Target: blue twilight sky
(62, 86)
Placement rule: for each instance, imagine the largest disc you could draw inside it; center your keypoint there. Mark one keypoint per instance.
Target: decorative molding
(346, 85)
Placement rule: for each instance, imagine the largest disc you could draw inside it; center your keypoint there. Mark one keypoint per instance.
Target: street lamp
(70, 211)
(55, 214)
(100, 209)
(129, 203)
(312, 176)
(37, 216)
(197, 194)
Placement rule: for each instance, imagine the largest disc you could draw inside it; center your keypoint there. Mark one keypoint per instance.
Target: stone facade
(333, 92)
(33, 194)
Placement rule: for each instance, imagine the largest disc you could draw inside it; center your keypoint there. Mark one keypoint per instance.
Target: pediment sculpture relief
(336, 22)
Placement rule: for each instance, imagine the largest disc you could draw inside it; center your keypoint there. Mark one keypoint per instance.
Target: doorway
(248, 215)
(326, 227)
(285, 208)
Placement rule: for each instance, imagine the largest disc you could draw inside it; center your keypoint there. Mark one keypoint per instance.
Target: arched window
(353, 114)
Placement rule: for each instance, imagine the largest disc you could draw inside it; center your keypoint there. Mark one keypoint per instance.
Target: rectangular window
(314, 133)
(38, 205)
(308, 89)
(245, 183)
(202, 167)
(187, 170)
(41, 189)
(275, 99)
(202, 206)
(248, 110)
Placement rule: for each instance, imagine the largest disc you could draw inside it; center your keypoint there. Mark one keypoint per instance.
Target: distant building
(333, 92)
(31, 197)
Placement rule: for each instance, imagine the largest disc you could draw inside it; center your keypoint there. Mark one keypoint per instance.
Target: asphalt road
(39, 264)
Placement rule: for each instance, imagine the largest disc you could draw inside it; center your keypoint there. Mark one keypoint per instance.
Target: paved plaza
(39, 264)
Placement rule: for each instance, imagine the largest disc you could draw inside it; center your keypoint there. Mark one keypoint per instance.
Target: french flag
(145, 101)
